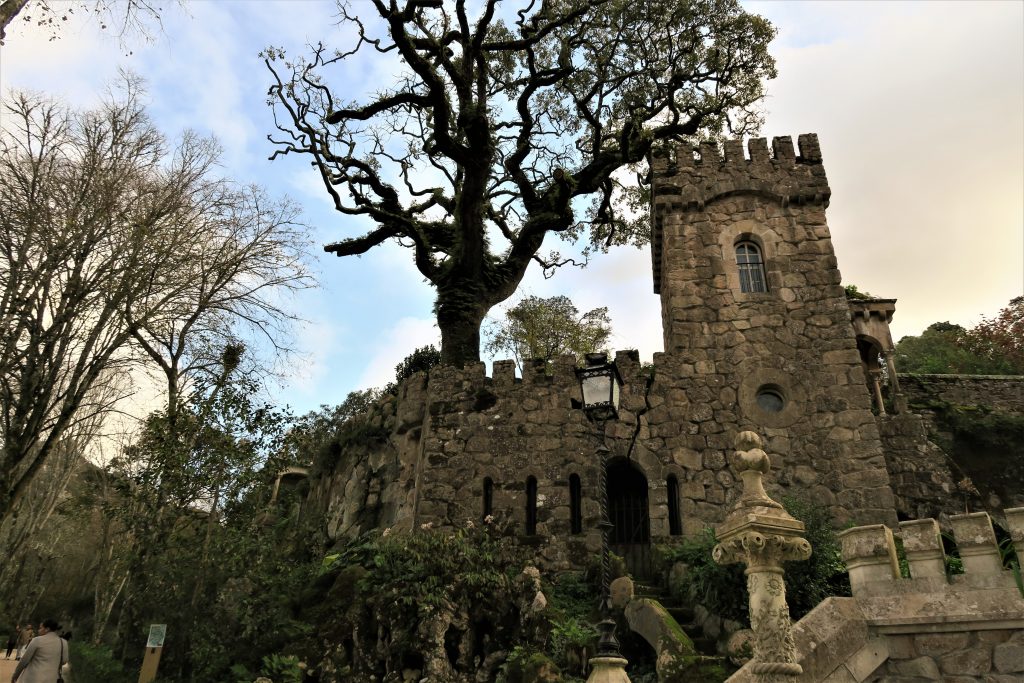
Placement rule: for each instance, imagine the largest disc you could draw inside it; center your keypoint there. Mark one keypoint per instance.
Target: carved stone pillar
(899, 401)
(876, 390)
(759, 533)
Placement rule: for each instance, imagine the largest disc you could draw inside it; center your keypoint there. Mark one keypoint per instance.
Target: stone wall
(444, 437)
(921, 472)
(1001, 393)
(995, 469)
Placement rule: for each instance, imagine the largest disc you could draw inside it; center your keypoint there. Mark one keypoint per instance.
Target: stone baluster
(1015, 522)
(923, 546)
(899, 401)
(870, 556)
(759, 533)
(976, 542)
(876, 390)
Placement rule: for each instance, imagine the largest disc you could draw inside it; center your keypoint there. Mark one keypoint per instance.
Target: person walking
(44, 657)
(24, 638)
(12, 640)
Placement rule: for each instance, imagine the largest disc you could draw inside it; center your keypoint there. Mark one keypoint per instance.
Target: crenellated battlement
(871, 556)
(687, 178)
(561, 371)
(684, 180)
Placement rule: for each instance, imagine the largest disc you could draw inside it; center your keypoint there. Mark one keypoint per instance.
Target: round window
(770, 400)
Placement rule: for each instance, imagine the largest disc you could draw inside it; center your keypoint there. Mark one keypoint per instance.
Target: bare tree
(124, 17)
(500, 127)
(251, 258)
(106, 236)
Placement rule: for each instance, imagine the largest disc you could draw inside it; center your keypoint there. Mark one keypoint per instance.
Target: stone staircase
(683, 615)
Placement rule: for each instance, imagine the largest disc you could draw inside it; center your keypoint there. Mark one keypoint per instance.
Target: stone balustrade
(871, 556)
(926, 627)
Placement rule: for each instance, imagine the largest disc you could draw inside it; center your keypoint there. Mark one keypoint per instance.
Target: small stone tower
(751, 298)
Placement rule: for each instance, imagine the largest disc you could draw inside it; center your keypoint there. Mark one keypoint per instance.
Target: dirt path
(6, 668)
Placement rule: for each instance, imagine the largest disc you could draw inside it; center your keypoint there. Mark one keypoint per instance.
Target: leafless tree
(109, 237)
(124, 17)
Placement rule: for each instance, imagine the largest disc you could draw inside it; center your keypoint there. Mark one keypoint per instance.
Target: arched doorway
(629, 514)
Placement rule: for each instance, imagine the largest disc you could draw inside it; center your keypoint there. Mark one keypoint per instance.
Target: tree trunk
(460, 312)
(8, 11)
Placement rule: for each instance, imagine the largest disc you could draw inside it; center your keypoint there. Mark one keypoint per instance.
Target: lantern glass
(599, 384)
(597, 390)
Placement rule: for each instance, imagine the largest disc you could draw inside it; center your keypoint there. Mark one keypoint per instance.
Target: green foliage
(538, 328)
(282, 669)
(824, 573)
(395, 583)
(420, 360)
(97, 664)
(992, 347)
(722, 589)
(853, 293)
(526, 665)
(1000, 340)
(980, 427)
(938, 351)
(322, 438)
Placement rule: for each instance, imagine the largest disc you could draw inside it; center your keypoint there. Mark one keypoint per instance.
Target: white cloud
(392, 346)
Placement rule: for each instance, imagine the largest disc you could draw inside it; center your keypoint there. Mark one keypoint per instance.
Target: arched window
(751, 267)
(674, 526)
(488, 496)
(575, 504)
(531, 506)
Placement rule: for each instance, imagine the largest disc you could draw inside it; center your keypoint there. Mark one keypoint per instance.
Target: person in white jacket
(44, 656)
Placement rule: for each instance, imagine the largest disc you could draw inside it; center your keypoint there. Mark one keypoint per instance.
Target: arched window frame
(750, 265)
(531, 506)
(575, 504)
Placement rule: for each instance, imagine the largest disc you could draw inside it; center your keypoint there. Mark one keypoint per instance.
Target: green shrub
(723, 589)
(96, 664)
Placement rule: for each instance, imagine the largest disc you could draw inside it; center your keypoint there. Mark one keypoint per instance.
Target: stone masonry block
(923, 546)
(870, 556)
(976, 542)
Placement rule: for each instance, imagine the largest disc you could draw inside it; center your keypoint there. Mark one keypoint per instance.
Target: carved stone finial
(752, 463)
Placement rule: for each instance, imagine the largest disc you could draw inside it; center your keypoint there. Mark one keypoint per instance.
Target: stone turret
(751, 296)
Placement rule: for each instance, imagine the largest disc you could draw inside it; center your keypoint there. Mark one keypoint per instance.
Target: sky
(919, 108)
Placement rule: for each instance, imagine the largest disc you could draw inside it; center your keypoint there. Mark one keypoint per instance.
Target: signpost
(154, 646)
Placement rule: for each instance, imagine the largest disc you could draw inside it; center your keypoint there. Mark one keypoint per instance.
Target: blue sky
(919, 108)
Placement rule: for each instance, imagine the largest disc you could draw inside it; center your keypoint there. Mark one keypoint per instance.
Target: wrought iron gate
(628, 513)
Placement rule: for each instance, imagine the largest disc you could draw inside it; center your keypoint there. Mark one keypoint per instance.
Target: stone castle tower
(751, 296)
(758, 336)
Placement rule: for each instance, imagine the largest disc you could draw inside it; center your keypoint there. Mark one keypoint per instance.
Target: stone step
(706, 646)
(681, 613)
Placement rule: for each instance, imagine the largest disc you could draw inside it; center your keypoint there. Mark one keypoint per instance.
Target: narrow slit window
(488, 497)
(751, 267)
(531, 506)
(575, 504)
(675, 527)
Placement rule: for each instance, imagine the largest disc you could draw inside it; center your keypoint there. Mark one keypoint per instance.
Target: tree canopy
(995, 346)
(502, 124)
(547, 328)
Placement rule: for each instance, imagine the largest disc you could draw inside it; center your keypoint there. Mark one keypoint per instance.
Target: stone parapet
(870, 555)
